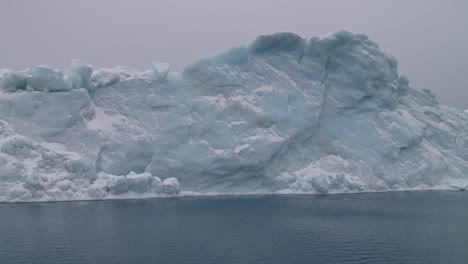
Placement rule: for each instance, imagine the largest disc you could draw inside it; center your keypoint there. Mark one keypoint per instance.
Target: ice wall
(281, 115)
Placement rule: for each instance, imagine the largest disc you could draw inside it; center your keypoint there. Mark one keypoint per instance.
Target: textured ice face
(281, 115)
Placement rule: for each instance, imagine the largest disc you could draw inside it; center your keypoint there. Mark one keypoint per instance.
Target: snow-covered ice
(283, 114)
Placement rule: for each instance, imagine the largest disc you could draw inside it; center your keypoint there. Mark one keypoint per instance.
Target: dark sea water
(398, 227)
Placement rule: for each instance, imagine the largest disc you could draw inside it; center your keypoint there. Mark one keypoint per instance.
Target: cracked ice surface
(281, 115)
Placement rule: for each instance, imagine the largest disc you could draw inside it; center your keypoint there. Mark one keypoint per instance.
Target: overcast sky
(428, 37)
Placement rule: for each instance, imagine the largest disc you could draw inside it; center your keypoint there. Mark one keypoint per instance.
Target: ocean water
(395, 227)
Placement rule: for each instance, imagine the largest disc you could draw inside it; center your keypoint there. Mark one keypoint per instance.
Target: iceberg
(284, 114)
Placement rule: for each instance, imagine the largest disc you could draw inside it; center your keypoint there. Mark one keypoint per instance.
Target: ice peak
(277, 41)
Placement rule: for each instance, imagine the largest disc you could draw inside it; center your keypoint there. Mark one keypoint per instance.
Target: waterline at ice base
(283, 114)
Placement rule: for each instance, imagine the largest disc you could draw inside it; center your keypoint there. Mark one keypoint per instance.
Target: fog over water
(428, 37)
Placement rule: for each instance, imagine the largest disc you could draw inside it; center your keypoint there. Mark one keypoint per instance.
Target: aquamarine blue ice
(281, 115)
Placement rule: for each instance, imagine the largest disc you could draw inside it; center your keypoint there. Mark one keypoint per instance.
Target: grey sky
(428, 37)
